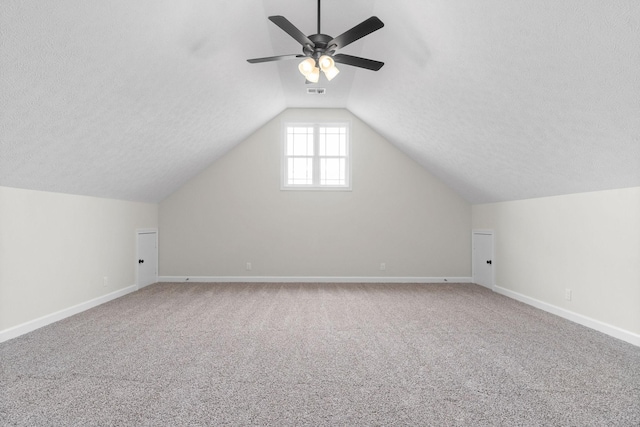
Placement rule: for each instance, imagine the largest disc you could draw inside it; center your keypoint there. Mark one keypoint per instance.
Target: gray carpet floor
(318, 354)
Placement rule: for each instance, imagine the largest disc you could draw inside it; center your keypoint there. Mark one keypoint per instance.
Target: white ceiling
(501, 99)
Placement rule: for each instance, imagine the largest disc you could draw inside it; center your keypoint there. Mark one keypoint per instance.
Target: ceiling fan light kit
(314, 75)
(320, 49)
(309, 70)
(328, 67)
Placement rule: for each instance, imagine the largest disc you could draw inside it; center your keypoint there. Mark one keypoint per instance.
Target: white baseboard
(312, 279)
(32, 325)
(605, 328)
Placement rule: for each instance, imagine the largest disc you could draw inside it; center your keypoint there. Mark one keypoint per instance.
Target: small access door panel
(147, 260)
(482, 258)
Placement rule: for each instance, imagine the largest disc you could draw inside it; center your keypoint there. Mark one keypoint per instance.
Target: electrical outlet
(248, 266)
(383, 266)
(567, 294)
(105, 281)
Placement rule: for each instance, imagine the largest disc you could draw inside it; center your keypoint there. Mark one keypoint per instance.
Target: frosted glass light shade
(314, 75)
(307, 66)
(331, 72)
(326, 62)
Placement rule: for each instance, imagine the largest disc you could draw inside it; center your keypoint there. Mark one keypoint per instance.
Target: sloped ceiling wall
(502, 100)
(127, 99)
(510, 100)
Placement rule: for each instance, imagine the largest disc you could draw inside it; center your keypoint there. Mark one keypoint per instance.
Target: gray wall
(56, 248)
(588, 242)
(234, 212)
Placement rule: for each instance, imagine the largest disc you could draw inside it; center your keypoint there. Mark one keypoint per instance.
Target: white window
(316, 156)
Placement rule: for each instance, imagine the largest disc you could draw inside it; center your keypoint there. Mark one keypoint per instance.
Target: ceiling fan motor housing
(320, 41)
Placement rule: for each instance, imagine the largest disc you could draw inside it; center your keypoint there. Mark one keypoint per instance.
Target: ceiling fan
(320, 49)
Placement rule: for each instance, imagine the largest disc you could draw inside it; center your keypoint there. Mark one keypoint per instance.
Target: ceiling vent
(316, 91)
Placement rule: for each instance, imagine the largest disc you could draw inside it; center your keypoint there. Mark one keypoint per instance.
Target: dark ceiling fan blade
(356, 61)
(291, 29)
(274, 58)
(362, 29)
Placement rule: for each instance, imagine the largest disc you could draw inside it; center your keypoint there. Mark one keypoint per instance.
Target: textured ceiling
(502, 100)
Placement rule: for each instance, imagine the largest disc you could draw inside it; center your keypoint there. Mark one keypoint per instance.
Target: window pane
(333, 141)
(333, 172)
(300, 129)
(299, 141)
(302, 145)
(332, 145)
(335, 130)
(289, 144)
(300, 171)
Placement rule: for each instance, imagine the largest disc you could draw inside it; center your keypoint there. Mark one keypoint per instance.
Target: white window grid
(316, 156)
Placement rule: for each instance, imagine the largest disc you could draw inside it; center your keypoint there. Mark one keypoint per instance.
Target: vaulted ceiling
(500, 99)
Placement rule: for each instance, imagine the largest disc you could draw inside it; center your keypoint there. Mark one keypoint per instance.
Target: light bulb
(314, 75)
(326, 62)
(331, 72)
(307, 66)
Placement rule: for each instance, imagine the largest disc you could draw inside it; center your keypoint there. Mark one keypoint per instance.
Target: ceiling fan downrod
(319, 32)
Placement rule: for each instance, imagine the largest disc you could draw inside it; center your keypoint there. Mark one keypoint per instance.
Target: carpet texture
(318, 354)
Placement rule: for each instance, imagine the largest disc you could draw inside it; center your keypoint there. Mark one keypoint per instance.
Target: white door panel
(483, 259)
(147, 258)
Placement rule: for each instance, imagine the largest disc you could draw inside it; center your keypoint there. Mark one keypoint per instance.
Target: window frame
(315, 186)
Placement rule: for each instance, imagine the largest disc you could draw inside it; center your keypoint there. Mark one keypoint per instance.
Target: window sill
(314, 188)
